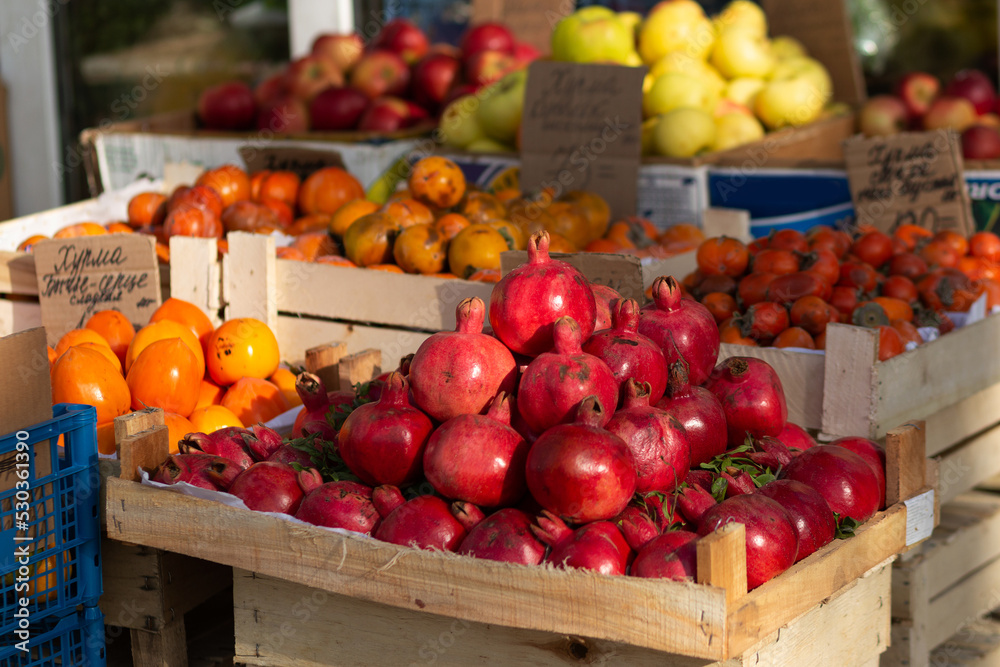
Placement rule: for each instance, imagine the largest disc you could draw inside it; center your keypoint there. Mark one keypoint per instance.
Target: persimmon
(199, 196)
(118, 228)
(105, 352)
(211, 418)
(284, 379)
(254, 400)
(106, 443)
(327, 189)
(386, 268)
(791, 287)
(446, 275)
(985, 245)
(162, 330)
(315, 244)
(941, 290)
(177, 428)
(822, 262)
(568, 220)
(753, 288)
(165, 375)
(828, 238)
(281, 185)
(874, 248)
(907, 264)
(795, 337)
(511, 233)
(912, 235)
(81, 375)
(721, 305)
(408, 212)
(52, 354)
(682, 232)
(78, 336)
(900, 287)
(450, 224)
(881, 310)
(437, 182)
(788, 239)
(243, 347)
(186, 313)
(858, 274)
(958, 242)
(820, 341)
(627, 234)
(723, 256)
(190, 220)
(939, 252)
(531, 217)
(147, 209)
(162, 253)
(476, 247)
(420, 249)
(845, 300)
(595, 209)
(256, 179)
(369, 240)
(481, 207)
(730, 332)
(80, 229)
(907, 332)
(314, 222)
(114, 328)
(284, 213)
(604, 245)
(486, 276)
(975, 268)
(812, 314)
(27, 244)
(229, 181)
(764, 321)
(776, 261)
(890, 343)
(335, 260)
(288, 252)
(209, 393)
(992, 289)
(757, 245)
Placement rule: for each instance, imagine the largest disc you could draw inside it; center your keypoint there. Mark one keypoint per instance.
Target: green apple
(500, 109)
(742, 13)
(784, 46)
(788, 102)
(487, 145)
(743, 89)
(736, 129)
(591, 35)
(679, 61)
(674, 90)
(675, 25)
(684, 133)
(739, 51)
(459, 125)
(804, 67)
(647, 132)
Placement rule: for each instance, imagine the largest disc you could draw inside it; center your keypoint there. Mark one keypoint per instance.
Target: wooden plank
(17, 316)
(908, 646)
(324, 362)
(146, 449)
(297, 334)
(801, 374)
(722, 561)
(849, 381)
(167, 648)
(136, 422)
(17, 273)
(961, 604)
(906, 466)
(196, 274)
(967, 464)
(677, 266)
(731, 222)
(976, 645)
(250, 286)
(132, 597)
(961, 420)
(360, 367)
(682, 617)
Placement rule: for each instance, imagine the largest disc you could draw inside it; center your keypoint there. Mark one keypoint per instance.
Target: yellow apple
(632, 60)
(459, 126)
(592, 34)
(784, 46)
(727, 106)
(684, 133)
(742, 13)
(674, 90)
(743, 90)
(739, 52)
(788, 102)
(679, 61)
(646, 133)
(631, 20)
(807, 68)
(487, 145)
(736, 129)
(675, 25)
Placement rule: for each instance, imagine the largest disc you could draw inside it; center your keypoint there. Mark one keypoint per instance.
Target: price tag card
(302, 161)
(620, 272)
(80, 276)
(919, 517)
(912, 177)
(580, 130)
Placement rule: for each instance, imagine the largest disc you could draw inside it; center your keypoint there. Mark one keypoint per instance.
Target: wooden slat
(963, 419)
(136, 422)
(360, 367)
(731, 222)
(722, 561)
(968, 463)
(849, 380)
(196, 274)
(963, 603)
(166, 648)
(17, 273)
(324, 362)
(976, 645)
(17, 316)
(906, 465)
(250, 285)
(146, 449)
(297, 334)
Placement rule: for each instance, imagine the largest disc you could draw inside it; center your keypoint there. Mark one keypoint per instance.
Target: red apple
(525, 53)
(416, 113)
(882, 115)
(344, 51)
(272, 88)
(380, 73)
(227, 106)
(956, 113)
(918, 90)
(433, 77)
(486, 37)
(308, 75)
(989, 119)
(980, 142)
(974, 86)
(404, 39)
(336, 109)
(385, 114)
(459, 91)
(286, 115)
(486, 67)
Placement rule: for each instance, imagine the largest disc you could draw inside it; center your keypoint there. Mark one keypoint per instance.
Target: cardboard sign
(25, 398)
(913, 177)
(531, 20)
(80, 276)
(620, 272)
(580, 130)
(302, 161)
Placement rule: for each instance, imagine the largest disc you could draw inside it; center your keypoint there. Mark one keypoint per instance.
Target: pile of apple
(968, 104)
(396, 81)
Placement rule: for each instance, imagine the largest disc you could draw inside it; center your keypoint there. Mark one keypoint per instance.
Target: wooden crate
(976, 645)
(712, 622)
(941, 589)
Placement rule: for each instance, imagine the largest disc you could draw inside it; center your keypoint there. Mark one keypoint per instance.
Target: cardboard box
(25, 399)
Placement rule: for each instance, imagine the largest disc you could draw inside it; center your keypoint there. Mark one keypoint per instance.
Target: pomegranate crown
(538, 247)
(666, 293)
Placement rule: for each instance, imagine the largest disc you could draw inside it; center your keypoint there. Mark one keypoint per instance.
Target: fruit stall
(562, 334)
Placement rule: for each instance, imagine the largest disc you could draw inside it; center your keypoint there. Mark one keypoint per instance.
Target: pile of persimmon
(784, 289)
(204, 378)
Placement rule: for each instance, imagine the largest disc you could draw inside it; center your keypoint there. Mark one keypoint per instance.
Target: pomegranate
(345, 505)
(751, 396)
(672, 555)
(795, 437)
(202, 470)
(580, 471)
(229, 443)
(383, 442)
(808, 510)
(274, 487)
(262, 441)
(843, 478)
(597, 546)
(316, 403)
(770, 453)
(605, 298)
(526, 303)
(699, 411)
(504, 536)
(468, 514)
(682, 328)
(874, 456)
(657, 440)
(426, 522)
(386, 498)
(637, 526)
(628, 353)
(478, 458)
(694, 501)
(459, 372)
(771, 540)
(289, 453)
(554, 383)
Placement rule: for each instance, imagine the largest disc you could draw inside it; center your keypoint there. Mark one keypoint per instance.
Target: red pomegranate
(526, 303)
(682, 328)
(504, 536)
(580, 471)
(874, 456)
(345, 505)
(459, 372)
(637, 526)
(426, 522)
(795, 437)
(229, 443)
(843, 478)
(478, 458)
(628, 353)
(316, 403)
(657, 440)
(672, 556)
(598, 546)
(808, 510)
(274, 487)
(751, 396)
(262, 441)
(383, 442)
(605, 298)
(554, 383)
(202, 470)
(289, 453)
(771, 541)
(699, 411)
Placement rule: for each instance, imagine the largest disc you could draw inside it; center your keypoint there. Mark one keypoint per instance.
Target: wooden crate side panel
(801, 377)
(18, 316)
(196, 274)
(132, 595)
(961, 420)
(674, 616)
(967, 464)
(971, 539)
(849, 381)
(298, 334)
(963, 603)
(249, 282)
(17, 273)
(977, 645)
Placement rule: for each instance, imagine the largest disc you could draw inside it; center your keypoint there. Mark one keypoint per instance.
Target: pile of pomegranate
(547, 441)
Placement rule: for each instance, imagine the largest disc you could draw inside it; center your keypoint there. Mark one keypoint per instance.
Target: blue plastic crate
(76, 639)
(50, 534)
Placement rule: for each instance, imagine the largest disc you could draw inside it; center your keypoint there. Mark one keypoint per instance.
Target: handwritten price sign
(79, 277)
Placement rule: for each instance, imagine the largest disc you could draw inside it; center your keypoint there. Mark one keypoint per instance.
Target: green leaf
(324, 457)
(846, 526)
(719, 487)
